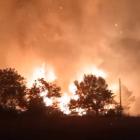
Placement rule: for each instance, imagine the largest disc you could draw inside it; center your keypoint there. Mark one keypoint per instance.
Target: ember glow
(80, 111)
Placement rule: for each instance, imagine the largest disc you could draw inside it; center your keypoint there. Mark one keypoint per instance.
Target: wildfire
(48, 101)
(48, 74)
(80, 111)
(63, 102)
(44, 72)
(39, 72)
(72, 89)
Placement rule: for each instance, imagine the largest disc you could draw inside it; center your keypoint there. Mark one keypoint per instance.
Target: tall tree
(93, 93)
(12, 89)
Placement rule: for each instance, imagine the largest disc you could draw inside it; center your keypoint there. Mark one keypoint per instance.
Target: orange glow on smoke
(91, 70)
(114, 87)
(44, 72)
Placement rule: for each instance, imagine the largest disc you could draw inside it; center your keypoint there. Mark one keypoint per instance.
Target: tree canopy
(12, 89)
(36, 99)
(93, 93)
(127, 98)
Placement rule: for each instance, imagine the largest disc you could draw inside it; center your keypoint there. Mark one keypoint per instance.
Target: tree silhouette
(35, 98)
(93, 94)
(35, 103)
(127, 98)
(12, 89)
(52, 89)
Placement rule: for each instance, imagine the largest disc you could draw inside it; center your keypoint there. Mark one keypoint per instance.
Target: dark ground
(70, 128)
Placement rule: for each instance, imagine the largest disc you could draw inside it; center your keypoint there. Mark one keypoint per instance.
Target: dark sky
(71, 35)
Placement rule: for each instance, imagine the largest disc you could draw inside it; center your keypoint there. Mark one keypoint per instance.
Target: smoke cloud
(71, 35)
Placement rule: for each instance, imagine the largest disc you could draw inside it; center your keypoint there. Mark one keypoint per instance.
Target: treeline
(17, 99)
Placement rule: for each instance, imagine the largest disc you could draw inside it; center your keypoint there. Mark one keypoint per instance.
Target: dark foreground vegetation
(93, 96)
(24, 114)
(70, 128)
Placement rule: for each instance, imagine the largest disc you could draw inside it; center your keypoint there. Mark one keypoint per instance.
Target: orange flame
(50, 76)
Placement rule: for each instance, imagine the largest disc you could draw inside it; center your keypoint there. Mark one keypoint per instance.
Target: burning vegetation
(88, 95)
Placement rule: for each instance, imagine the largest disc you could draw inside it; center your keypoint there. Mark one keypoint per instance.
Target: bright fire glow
(63, 102)
(75, 97)
(80, 111)
(114, 87)
(39, 72)
(111, 106)
(91, 70)
(48, 101)
(65, 99)
(72, 88)
(44, 93)
(48, 74)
